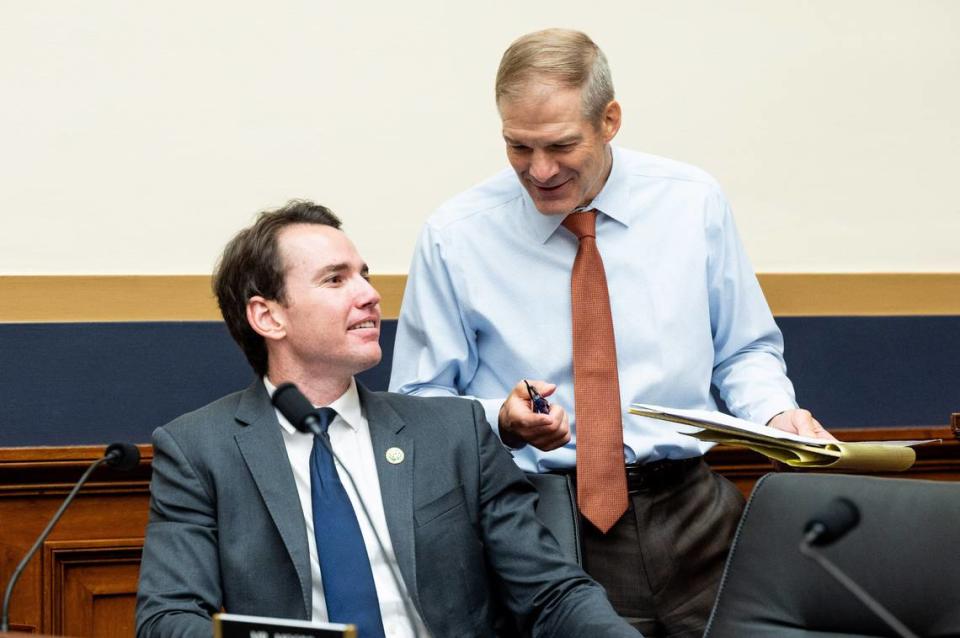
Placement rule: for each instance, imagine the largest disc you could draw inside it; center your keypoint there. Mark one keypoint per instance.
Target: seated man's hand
(800, 422)
(519, 424)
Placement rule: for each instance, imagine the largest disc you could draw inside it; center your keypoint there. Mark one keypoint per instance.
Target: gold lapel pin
(394, 455)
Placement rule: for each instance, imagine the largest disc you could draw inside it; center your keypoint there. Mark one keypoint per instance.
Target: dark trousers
(661, 563)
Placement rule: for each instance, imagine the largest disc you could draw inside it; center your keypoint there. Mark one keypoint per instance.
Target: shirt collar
(613, 201)
(347, 407)
(542, 226)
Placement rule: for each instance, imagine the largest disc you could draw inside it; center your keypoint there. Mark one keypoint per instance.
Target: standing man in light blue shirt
(488, 305)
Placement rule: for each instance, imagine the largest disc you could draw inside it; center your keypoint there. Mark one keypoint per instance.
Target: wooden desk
(83, 581)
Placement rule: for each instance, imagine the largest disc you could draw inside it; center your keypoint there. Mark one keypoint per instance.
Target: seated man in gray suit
(251, 516)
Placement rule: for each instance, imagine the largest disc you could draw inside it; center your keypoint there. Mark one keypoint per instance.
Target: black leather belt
(646, 477)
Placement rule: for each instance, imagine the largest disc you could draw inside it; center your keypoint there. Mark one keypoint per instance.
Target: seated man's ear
(266, 317)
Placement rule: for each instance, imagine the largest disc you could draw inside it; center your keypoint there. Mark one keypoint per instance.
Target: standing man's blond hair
(565, 58)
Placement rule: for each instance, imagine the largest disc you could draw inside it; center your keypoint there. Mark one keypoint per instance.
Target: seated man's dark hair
(251, 265)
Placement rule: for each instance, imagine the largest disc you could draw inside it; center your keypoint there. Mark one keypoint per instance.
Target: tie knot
(582, 224)
(326, 416)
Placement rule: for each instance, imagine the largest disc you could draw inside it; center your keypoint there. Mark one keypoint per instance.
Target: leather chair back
(557, 510)
(904, 552)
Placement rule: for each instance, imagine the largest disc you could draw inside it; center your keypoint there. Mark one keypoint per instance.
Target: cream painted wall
(136, 137)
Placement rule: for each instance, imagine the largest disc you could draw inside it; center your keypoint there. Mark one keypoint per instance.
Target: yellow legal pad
(791, 449)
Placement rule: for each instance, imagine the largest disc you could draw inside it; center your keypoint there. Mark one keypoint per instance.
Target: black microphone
(298, 410)
(122, 456)
(832, 523)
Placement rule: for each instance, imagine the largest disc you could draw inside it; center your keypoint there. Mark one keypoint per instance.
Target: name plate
(241, 626)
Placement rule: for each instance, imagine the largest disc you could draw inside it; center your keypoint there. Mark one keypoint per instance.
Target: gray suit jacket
(226, 527)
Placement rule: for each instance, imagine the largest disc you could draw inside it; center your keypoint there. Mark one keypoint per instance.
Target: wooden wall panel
(83, 581)
(87, 568)
(90, 587)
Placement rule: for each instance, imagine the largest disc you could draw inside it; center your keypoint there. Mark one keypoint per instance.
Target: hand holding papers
(795, 451)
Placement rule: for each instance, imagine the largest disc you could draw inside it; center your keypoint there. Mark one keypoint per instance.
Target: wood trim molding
(67, 455)
(45, 471)
(49, 470)
(861, 294)
(103, 298)
(76, 298)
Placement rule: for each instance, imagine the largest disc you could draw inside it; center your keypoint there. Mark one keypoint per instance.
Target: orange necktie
(601, 479)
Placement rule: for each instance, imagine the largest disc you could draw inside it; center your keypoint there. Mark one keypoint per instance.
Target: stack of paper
(794, 450)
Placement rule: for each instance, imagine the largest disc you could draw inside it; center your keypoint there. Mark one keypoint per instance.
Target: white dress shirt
(350, 439)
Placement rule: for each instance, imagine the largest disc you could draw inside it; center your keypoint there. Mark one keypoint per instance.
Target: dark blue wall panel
(71, 384)
(875, 371)
(92, 383)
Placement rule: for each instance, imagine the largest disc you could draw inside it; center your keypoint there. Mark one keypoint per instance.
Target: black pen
(540, 405)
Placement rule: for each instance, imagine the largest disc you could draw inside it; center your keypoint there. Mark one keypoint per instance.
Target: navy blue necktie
(347, 577)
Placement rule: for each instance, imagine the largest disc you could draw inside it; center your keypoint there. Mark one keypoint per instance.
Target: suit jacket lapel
(261, 445)
(396, 480)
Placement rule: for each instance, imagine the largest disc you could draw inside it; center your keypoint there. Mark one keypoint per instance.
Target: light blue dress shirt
(487, 303)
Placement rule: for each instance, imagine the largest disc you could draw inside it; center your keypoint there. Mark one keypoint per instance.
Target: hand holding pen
(527, 417)
(537, 402)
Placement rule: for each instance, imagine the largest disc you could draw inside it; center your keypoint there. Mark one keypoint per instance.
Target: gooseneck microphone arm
(840, 516)
(123, 456)
(298, 410)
